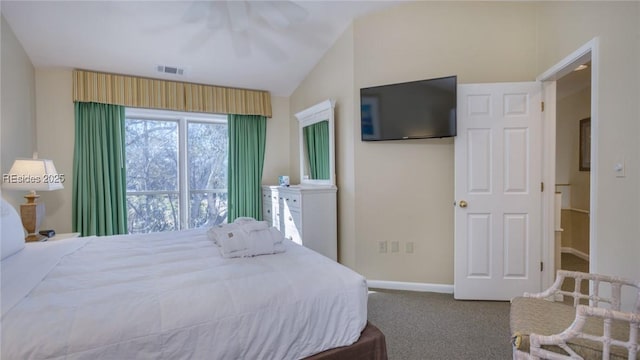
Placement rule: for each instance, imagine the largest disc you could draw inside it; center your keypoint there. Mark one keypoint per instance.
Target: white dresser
(306, 214)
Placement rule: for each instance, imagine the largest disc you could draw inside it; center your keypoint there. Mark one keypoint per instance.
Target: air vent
(170, 70)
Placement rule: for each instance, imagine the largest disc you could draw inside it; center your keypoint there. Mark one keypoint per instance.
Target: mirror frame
(315, 114)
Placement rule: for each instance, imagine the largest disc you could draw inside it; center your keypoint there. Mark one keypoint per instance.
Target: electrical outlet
(382, 246)
(408, 247)
(395, 246)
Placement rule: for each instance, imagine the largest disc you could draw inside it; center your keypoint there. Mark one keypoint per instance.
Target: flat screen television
(411, 110)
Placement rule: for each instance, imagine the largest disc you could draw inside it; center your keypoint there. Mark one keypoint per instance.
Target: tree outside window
(176, 170)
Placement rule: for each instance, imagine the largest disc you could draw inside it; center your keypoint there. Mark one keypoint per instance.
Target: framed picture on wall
(585, 144)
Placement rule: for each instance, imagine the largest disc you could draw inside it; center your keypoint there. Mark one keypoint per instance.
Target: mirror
(316, 138)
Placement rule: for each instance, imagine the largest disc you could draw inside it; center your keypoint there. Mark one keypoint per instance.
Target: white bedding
(172, 296)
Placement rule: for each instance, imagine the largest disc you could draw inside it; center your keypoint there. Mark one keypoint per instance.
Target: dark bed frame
(370, 346)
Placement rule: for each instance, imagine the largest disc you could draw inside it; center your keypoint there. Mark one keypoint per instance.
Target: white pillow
(12, 239)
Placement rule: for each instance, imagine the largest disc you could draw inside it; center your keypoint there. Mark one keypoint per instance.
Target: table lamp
(32, 175)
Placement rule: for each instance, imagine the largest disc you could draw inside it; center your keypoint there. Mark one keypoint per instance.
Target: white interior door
(498, 229)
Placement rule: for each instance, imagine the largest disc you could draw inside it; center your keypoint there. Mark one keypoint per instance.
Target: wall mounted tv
(411, 110)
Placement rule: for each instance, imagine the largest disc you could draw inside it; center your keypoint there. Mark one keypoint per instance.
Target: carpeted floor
(424, 326)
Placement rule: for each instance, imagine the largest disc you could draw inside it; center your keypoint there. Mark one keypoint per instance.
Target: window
(176, 167)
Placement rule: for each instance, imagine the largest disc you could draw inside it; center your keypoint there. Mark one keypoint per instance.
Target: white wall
(562, 28)
(277, 155)
(404, 190)
(333, 78)
(55, 128)
(18, 107)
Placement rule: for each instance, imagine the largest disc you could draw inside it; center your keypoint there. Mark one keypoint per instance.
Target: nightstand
(62, 236)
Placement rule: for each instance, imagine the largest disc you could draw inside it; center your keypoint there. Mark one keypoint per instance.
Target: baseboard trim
(410, 286)
(575, 252)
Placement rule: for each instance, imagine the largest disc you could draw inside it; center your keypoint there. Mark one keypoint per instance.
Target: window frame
(183, 119)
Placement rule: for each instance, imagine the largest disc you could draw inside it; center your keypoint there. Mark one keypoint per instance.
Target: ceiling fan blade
(196, 12)
(279, 14)
(268, 12)
(217, 16)
(238, 15)
(164, 28)
(292, 11)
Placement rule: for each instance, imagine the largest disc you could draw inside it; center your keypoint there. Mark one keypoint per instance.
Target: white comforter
(172, 296)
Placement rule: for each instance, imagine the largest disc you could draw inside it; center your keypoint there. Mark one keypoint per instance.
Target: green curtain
(99, 187)
(247, 138)
(316, 138)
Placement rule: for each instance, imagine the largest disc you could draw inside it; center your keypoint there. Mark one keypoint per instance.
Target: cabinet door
(267, 211)
(275, 215)
(291, 201)
(278, 211)
(292, 226)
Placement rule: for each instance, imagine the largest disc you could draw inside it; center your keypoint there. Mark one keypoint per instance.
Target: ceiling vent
(170, 70)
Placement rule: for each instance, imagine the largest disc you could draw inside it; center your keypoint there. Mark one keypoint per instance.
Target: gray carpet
(424, 326)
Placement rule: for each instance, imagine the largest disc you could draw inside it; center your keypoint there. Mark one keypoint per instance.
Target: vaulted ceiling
(266, 45)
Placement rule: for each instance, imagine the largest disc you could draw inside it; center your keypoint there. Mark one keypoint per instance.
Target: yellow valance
(131, 91)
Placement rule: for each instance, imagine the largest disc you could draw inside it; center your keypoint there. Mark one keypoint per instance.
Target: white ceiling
(276, 43)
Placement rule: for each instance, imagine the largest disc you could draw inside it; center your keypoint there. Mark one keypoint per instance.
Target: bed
(173, 296)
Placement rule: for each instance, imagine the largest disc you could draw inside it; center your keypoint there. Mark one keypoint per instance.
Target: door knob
(463, 204)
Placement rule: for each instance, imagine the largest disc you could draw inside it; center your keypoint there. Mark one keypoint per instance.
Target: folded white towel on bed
(270, 233)
(225, 231)
(242, 243)
(222, 231)
(243, 219)
(245, 239)
(255, 226)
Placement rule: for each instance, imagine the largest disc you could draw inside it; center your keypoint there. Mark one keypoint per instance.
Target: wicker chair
(592, 326)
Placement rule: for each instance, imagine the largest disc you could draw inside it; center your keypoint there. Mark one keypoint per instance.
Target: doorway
(552, 249)
(573, 165)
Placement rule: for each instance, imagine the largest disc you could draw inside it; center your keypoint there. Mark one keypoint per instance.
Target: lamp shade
(33, 175)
